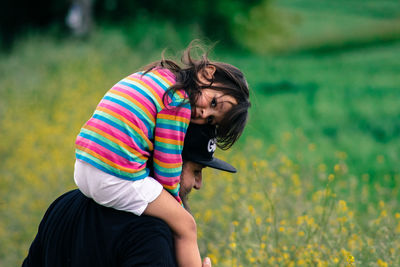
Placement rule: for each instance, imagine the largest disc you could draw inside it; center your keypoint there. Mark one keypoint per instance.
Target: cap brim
(217, 164)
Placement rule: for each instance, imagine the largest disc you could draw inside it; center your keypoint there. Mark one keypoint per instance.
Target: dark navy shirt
(76, 231)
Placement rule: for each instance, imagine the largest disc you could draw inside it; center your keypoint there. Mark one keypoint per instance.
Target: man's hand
(206, 262)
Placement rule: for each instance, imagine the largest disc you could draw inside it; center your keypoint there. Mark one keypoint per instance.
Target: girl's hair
(230, 80)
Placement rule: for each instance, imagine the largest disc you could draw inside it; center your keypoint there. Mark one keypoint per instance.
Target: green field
(318, 181)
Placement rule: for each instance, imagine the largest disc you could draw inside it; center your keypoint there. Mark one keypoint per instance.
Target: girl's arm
(169, 134)
(183, 226)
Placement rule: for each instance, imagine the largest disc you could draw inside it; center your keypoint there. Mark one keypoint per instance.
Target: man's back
(76, 231)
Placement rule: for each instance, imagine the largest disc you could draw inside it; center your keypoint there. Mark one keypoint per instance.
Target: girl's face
(211, 107)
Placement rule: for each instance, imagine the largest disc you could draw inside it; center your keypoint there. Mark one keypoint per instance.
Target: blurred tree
(222, 20)
(216, 18)
(18, 16)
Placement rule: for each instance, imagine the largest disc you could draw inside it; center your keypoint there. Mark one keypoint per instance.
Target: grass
(318, 173)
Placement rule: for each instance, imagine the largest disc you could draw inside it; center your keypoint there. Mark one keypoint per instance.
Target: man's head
(198, 151)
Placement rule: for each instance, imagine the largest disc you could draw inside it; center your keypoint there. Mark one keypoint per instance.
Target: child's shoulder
(158, 72)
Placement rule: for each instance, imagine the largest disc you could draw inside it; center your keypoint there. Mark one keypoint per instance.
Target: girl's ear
(205, 75)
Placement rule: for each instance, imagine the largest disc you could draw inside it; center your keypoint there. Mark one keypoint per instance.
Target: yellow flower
(342, 206)
(213, 258)
(300, 220)
(350, 259)
(336, 168)
(208, 215)
(310, 221)
(301, 262)
(383, 213)
(381, 263)
(251, 209)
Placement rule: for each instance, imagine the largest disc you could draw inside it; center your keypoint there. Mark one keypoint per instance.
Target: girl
(144, 118)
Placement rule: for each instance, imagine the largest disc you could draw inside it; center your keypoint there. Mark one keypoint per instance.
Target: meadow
(318, 173)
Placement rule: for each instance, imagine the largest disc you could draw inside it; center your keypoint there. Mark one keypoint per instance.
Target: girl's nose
(204, 113)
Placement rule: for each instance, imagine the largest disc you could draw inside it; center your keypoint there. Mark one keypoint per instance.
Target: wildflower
(381, 263)
(208, 215)
(342, 206)
(310, 221)
(295, 179)
(383, 213)
(251, 209)
(398, 228)
(301, 262)
(300, 220)
(337, 168)
(249, 252)
(350, 259)
(213, 258)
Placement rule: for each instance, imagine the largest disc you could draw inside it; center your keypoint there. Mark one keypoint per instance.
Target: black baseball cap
(200, 145)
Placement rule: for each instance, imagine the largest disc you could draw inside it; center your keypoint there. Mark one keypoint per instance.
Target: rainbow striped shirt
(132, 124)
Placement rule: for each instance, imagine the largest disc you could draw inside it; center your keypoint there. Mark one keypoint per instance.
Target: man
(75, 231)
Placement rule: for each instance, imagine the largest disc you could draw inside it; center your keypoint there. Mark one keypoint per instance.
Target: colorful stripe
(132, 123)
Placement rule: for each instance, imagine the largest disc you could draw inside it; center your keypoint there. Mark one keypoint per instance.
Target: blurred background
(325, 117)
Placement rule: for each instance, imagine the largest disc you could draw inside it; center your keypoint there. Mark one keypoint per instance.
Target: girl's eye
(210, 119)
(214, 102)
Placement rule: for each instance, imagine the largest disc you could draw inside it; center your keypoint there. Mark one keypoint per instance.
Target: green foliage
(216, 19)
(324, 26)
